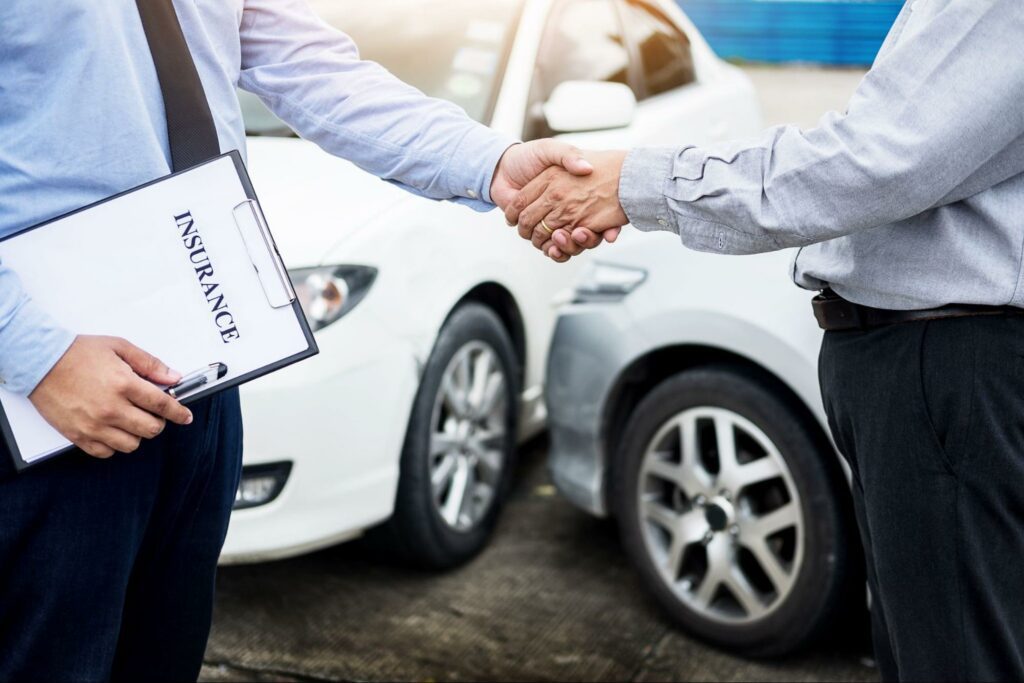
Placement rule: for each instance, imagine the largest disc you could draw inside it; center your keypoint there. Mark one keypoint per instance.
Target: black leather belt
(836, 313)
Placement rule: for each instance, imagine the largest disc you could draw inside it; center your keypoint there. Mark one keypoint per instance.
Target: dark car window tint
(664, 49)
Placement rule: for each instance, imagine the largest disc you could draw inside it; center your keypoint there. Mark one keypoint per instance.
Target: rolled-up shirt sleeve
(312, 77)
(923, 128)
(31, 342)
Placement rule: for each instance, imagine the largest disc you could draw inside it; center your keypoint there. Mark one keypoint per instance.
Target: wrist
(641, 192)
(498, 171)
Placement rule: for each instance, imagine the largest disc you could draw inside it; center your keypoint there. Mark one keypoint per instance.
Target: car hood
(314, 201)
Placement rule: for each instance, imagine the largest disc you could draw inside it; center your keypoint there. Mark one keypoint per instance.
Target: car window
(456, 52)
(584, 41)
(665, 55)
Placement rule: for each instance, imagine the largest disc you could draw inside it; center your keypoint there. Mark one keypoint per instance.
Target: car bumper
(340, 419)
(591, 346)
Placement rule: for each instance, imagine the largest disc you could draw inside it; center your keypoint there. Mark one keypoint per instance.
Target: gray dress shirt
(913, 198)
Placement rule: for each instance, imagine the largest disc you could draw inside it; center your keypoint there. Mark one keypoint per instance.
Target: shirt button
(471, 194)
(662, 222)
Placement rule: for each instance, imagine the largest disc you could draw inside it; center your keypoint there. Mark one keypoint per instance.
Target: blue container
(819, 31)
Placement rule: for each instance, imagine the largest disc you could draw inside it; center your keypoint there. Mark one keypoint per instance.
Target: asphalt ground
(552, 598)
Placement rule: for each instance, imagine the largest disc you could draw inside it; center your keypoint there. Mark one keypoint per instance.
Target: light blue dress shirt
(912, 198)
(81, 118)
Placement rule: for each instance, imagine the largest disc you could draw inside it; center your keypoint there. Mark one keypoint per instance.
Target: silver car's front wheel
(468, 443)
(733, 508)
(721, 515)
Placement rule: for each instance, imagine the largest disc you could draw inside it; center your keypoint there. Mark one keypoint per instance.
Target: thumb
(611, 235)
(568, 157)
(146, 365)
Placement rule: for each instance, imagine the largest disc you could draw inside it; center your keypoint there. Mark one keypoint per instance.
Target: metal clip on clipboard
(263, 253)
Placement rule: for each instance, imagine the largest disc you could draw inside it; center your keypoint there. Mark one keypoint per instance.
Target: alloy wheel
(468, 439)
(722, 519)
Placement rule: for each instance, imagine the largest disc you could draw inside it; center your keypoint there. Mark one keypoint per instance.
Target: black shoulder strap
(190, 127)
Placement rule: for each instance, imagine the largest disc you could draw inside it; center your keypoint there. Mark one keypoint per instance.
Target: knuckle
(164, 404)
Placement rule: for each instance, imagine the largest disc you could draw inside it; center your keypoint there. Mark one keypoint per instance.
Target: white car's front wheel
(459, 451)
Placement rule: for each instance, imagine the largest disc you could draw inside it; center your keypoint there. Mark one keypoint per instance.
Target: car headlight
(327, 293)
(604, 282)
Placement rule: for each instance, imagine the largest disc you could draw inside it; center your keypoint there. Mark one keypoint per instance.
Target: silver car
(683, 399)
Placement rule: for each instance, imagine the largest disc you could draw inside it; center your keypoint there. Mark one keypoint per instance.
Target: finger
(526, 196)
(555, 254)
(144, 364)
(566, 244)
(542, 234)
(585, 239)
(96, 449)
(526, 202)
(568, 157)
(140, 423)
(611, 234)
(152, 400)
(119, 440)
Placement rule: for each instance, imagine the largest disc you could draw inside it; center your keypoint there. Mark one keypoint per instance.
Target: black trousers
(930, 416)
(107, 567)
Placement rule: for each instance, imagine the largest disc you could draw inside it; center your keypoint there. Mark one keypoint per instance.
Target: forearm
(31, 342)
(312, 77)
(934, 122)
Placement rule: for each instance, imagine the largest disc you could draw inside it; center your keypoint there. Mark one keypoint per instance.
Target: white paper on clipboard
(173, 269)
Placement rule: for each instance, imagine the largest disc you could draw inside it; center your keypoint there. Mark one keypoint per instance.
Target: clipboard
(185, 267)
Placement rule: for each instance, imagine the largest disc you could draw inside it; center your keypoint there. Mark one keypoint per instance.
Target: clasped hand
(567, 205)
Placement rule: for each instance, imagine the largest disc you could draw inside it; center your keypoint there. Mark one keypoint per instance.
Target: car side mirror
(580, 106)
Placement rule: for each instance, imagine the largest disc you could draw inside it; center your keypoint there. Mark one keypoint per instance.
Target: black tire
(416, 534)
(829, 567)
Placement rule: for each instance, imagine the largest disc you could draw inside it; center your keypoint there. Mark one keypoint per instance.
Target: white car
(684, 402)
(434, 321)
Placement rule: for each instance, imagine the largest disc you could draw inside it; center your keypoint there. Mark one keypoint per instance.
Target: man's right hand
(100, 395)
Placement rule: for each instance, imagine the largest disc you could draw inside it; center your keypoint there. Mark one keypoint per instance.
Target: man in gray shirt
(909, 212)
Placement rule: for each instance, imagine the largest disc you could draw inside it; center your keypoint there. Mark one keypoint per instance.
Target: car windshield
(452, 49)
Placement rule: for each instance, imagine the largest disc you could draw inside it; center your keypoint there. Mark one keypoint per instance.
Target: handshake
(562, 202)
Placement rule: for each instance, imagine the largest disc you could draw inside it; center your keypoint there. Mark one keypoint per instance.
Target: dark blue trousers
(107, 567)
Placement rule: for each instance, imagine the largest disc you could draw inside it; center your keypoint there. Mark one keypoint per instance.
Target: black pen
(197, 379)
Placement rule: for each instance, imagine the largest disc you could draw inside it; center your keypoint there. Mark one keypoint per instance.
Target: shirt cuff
(472, 165)
(31, 343)
(645, 173)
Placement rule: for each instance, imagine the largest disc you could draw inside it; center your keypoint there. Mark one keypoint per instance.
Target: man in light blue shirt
(108, 566)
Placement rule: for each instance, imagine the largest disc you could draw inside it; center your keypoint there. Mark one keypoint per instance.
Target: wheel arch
(500, 300)
(650, 369)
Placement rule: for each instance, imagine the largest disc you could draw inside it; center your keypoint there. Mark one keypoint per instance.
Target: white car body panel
(341, 417)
